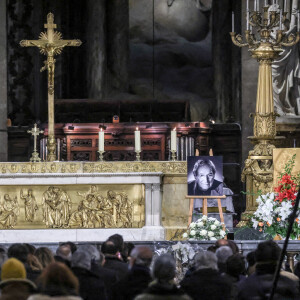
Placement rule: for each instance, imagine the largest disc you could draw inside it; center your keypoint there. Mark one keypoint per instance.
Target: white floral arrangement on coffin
(205, 229)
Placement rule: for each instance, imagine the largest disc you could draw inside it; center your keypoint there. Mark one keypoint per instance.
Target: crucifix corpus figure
(50, 43)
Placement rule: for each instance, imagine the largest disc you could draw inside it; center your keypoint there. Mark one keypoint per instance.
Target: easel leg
(204, 206)
(221, 213)
(191, 211)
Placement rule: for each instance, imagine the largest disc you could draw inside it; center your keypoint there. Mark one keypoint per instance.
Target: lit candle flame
(174, 129)
(137, 129)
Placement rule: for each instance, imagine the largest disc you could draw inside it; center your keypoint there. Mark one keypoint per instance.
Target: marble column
(96, 48)
(249, 90)
(117, 45)
(3, 82)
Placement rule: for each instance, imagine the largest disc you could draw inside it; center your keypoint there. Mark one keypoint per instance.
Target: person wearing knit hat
(14, 284)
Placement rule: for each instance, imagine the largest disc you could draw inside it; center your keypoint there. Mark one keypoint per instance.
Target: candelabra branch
(237, 40)
(291, 40)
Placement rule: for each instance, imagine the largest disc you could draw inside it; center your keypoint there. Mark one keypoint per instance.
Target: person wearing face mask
(205, 183)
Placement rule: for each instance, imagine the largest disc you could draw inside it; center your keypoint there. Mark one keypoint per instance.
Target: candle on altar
(174, 140)
(101, 140)
(232, 21)
(137, 140)
(298, 21)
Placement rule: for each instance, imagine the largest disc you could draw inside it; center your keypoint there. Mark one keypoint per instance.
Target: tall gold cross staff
(50, 43)
(35, 132)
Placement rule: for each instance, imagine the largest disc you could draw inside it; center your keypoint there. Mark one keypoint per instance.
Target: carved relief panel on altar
(72, 206)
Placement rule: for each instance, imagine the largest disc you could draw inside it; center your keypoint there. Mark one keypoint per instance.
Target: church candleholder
(101, 155)
(266, 36)
(138, 155)
(173, 155)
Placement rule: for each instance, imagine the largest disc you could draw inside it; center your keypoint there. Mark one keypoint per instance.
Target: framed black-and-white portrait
(205, 175)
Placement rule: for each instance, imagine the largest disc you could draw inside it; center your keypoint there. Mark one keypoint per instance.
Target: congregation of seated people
(123, 271)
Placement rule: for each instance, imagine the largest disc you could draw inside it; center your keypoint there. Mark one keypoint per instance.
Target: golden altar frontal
(94, 195)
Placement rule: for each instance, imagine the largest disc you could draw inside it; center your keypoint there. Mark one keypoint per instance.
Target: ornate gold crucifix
(50, 43)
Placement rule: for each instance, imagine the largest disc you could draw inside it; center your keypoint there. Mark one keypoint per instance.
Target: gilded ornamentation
(174, 167)
(56, 207)
(167, 167)
(9, 212)
(30, 205)
(50, 43)
(265, 43)
(264, 125)
(95, 210)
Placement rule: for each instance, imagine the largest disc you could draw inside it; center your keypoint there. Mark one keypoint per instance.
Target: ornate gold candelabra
(266, 33)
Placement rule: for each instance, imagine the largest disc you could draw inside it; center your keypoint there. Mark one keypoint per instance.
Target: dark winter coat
(136, 281)
(206, 284)
(113, 263)
(91, 287)
(163, 291)
(109, 277)
(259, 285)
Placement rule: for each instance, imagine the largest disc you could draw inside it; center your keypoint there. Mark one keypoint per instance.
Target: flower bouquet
(274, 209)
(208, 229)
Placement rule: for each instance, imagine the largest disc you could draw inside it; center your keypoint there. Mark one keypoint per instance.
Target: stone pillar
(226, 71)
(249, 90)
(96, 48)
(117, 45)
(3, 82)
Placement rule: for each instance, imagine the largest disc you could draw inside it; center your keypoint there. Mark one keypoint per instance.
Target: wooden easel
(204, 206)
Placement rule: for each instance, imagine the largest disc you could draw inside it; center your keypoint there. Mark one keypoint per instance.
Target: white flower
(193, 232)
(213, 239)
(285, 210)
(204, 217)
(185, 235)
(255, 223)
(217, 222)
(222, 233)
(213, 227)
(203, 232)
(200, 224)
(210, 234)
(192, 225)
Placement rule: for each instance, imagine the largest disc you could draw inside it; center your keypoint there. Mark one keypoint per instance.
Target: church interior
(151, 66)
(142, 135)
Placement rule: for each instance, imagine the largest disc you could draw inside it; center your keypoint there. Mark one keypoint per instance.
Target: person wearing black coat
(112, 260)
(138, 278)
(206, 282)
(91, 286)
(259, 284)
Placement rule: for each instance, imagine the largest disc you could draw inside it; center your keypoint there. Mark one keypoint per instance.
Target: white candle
(266, 2)
(280, 20)
(257, 4)
(248, 17)
(232, 21)
(285, 6)
(247, 5)
(101, 140)
(137, 140)
(298, 15)
(174, 140)
(254, 5)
